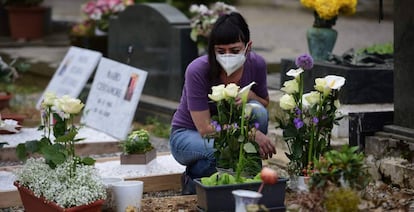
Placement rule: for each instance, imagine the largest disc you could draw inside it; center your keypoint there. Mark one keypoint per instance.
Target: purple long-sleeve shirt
(197, 86)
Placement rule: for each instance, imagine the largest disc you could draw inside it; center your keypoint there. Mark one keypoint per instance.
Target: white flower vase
(110, 201)
(128, 195)
(303, 183)
(243, 198)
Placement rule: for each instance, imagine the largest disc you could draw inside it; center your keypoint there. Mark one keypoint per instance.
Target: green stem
(241, 151)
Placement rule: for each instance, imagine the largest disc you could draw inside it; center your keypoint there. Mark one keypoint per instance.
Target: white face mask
(231, 62)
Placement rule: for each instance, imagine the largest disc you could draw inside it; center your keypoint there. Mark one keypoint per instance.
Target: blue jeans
(190, 149)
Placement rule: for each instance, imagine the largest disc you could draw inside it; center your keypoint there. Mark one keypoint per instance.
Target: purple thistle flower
(298, 123)
(304, 61)
(315, 120)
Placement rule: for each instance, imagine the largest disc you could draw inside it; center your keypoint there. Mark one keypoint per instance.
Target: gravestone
(113, 98)
(392, 148)
(73, 73)
(154, 37)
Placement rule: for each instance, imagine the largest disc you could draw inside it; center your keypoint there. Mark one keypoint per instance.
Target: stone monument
(154, 37)
(391, 151)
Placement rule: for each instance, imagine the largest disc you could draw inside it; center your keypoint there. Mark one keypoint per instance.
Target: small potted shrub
(137, 149)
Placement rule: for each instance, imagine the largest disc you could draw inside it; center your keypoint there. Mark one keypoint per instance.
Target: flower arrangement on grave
(203, 19)
(97, 14)
(327, 11)
(308, 118)
(137, 148)
(235, 148)
(59, 176)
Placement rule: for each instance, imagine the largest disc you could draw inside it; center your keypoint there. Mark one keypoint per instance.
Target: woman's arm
(202, 121)
(263, 101)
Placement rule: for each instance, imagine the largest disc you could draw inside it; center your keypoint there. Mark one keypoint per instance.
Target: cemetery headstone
(403, 54)
(154, 37)
(73, 73)
(113, 98)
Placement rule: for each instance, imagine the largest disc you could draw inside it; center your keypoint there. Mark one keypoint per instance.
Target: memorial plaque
(73, 73)
(113, 98)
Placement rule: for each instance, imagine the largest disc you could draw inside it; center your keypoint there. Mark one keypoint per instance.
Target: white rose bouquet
(234, 142)
(309, 118)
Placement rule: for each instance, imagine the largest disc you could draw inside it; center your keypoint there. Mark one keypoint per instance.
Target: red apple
(269, 176)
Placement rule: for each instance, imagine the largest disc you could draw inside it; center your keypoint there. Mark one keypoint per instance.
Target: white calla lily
(244, 92)
(294, 72)
(334, 82)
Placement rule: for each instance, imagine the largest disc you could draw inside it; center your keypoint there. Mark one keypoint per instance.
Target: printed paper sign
(113, 98)
(73, 73)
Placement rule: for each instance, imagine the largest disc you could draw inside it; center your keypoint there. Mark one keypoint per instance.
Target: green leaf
(32, 146)
(249, 148)
(88, 161)
(21, 151)
(67, 137)
(53, 154)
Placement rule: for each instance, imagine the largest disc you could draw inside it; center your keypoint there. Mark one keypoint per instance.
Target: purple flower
(298, 123)
(256, 125)
(297, 111)
(218, 128)
(304, 61)
(315, 120)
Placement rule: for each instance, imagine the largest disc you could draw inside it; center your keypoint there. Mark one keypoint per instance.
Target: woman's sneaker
(187, 185)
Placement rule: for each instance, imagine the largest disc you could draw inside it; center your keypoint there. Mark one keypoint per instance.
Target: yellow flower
(329, 9)
(217, 93)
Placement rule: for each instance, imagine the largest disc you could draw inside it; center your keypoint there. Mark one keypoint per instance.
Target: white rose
(321, 86)
(287, 102)
(290, 86)
(217, 93)
(312, 97)
(69, 105)
(231, 90)
(48, 99)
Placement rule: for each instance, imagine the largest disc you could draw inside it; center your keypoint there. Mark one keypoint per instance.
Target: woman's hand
(266, 147)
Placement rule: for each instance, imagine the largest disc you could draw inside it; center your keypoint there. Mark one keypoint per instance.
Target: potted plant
(202, 21)
(235, 153)
(308, 119)
(8, 74)
(22, 12)
(137, 148)
(59, 180)
(91, 33)
(337, 179)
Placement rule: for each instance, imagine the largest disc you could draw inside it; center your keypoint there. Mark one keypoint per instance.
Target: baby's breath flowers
(60, 175)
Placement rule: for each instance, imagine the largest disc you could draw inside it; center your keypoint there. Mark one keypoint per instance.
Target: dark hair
(229, 28)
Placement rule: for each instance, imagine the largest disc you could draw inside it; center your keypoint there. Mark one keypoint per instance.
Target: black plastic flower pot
(220, 198)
